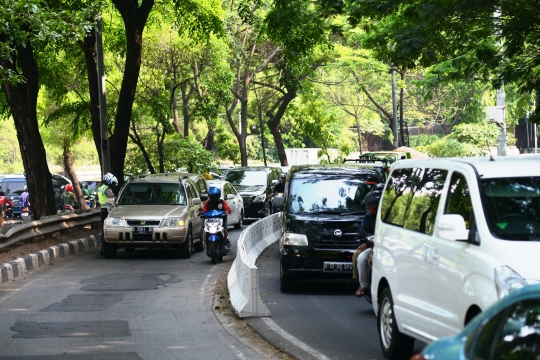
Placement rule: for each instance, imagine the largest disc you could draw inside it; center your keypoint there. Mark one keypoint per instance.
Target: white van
(452, 237)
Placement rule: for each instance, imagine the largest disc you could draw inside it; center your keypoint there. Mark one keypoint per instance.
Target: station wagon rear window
(153, 194)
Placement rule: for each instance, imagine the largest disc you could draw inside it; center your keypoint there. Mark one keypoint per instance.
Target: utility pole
(105, 162)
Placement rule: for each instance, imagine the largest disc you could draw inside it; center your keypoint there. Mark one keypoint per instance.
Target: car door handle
(434, 253)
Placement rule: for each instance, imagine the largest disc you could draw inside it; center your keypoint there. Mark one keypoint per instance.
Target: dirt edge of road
(237, 327)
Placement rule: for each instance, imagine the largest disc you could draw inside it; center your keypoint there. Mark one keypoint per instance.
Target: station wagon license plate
(337, 266)
(142, 230)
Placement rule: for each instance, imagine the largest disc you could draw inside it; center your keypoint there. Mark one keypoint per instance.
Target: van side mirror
(278, 202)
(110, 201)
(230, 196)
(196, 201)
(452, 227)
(275, 182)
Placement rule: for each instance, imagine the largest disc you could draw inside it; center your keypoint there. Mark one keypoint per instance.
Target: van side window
(459, 199)
(412, 197)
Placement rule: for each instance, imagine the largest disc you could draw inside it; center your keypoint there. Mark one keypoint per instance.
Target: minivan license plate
(142, 230)
(337, 266)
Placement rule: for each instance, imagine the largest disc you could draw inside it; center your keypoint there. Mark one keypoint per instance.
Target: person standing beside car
(279, 188)
(105, 192)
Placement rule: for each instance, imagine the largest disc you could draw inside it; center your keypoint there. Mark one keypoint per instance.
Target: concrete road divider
(242, 279)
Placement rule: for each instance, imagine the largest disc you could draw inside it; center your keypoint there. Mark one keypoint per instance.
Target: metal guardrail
(48, 225)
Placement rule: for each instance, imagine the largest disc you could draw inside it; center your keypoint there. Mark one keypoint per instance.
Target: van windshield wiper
(353, 213)
(324, 212)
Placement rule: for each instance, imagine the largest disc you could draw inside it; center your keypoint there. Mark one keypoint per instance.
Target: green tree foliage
(466, 140)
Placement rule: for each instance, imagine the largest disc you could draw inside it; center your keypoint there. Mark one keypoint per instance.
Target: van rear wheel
(394, 344)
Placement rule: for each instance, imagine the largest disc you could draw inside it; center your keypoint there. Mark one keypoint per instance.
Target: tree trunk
(68, 166)
(160, 137)
(273, 124)
(174, 103)
(88, 47)
(185, 107)
(134, 17)
(22, 101)
(359, 134)
(401, 110)
(137, 141)
(209, 141)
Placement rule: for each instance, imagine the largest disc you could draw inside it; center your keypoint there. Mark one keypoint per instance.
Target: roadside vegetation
(192, 83)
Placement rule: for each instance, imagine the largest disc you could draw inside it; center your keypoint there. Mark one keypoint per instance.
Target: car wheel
(393, 343)
(185, 247)
(199, 246)
(285, 284)
(109, 250)
(240, 221)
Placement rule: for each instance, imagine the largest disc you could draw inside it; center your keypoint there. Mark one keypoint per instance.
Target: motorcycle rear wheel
(212, 250)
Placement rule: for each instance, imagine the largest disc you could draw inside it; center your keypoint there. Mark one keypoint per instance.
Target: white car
(453, 236)
(229, 194)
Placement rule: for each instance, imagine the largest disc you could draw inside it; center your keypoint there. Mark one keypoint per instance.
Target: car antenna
(489, 151)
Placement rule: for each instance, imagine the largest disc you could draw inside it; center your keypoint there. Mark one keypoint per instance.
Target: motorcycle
(278, 202)
(214, 235)
(26, 213)
(90, 202)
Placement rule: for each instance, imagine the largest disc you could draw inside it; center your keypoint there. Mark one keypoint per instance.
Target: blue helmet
(214, 194)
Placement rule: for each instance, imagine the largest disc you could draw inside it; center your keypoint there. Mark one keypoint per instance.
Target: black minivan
(254, 184)
(322, 210)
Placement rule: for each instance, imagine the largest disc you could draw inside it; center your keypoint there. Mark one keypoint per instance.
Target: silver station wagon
(158, 211)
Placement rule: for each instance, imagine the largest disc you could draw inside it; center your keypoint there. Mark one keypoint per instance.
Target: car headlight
(174, 222)
(295, 239)
(113, 221)
(507, 281)
(260, 198)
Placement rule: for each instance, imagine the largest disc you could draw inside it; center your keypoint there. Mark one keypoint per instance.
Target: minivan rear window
(512, 207)
(13, 187)
(328, 195)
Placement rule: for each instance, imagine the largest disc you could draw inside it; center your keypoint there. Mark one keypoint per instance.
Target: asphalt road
(320, 319)
(145, 304)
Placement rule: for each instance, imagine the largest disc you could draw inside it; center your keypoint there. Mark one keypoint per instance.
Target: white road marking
(275, 327)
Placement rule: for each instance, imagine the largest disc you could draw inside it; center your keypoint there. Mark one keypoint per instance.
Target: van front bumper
(298, 263)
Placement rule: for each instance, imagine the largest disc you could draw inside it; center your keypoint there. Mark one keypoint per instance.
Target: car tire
(185, 247)
(394, 344)
(199, 246)
(212, 252)
(109, 250)
(240, 221)
(285, 284)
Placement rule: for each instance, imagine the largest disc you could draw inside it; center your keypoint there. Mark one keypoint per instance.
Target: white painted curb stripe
(278, 330)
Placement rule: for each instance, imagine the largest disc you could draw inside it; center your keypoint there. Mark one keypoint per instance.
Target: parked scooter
(26, 213)
(214, 235)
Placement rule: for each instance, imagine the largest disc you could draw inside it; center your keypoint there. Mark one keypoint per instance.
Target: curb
(13, 269)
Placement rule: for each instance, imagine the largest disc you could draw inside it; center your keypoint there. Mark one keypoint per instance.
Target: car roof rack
(363, 160)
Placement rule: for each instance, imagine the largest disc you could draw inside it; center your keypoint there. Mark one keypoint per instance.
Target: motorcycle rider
(215, 202)
(360, 257)
(105, 192)
(279, 188)
(68, 197)
(25, 198)
(4, 202)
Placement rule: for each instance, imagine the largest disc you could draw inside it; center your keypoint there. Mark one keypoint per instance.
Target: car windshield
(153, 194)
(512, 207)
(328, 196)
(247, 177)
